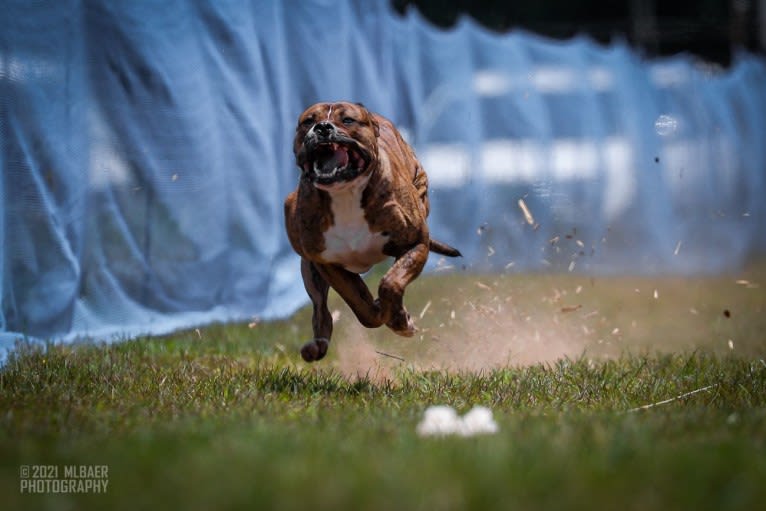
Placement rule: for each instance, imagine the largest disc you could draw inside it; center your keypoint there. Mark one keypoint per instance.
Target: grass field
(610, 393)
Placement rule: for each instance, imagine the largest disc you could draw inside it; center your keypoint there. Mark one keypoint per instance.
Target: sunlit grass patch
(230, 417)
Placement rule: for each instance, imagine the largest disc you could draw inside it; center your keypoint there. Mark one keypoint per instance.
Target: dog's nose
(323, 128)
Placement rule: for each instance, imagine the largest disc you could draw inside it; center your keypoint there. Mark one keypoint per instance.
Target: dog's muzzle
(330, 156)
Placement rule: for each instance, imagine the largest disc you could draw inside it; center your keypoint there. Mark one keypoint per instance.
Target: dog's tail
(443, 249)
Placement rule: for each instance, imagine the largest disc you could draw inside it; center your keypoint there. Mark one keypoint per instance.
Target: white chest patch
(348, 241)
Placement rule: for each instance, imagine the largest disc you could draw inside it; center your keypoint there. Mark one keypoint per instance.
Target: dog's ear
(372, 118)
(375, 125)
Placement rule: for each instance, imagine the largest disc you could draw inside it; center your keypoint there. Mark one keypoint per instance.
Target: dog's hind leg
(321, 319)
(405, 269)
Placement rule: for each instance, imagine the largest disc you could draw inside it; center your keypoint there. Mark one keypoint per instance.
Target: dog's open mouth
(333, 162)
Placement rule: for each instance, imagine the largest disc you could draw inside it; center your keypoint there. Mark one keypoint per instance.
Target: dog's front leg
(354, 292)
(405, 269)
(321, 319)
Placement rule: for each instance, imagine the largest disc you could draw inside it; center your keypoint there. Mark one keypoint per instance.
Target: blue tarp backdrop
(146, 150)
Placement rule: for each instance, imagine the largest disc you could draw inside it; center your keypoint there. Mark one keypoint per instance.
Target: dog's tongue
(332, 159)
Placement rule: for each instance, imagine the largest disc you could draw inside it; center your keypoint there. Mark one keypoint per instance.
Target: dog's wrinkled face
(335, 143)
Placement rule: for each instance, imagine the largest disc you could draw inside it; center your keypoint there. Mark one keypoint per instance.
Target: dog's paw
(408, 332)
(315, 349)
(402, 324)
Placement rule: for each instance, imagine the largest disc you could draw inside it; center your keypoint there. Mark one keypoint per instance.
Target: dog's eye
(307, 122)
(348, 121)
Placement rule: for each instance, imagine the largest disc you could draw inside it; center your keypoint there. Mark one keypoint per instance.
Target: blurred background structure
(711, 29)
(146, 152)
